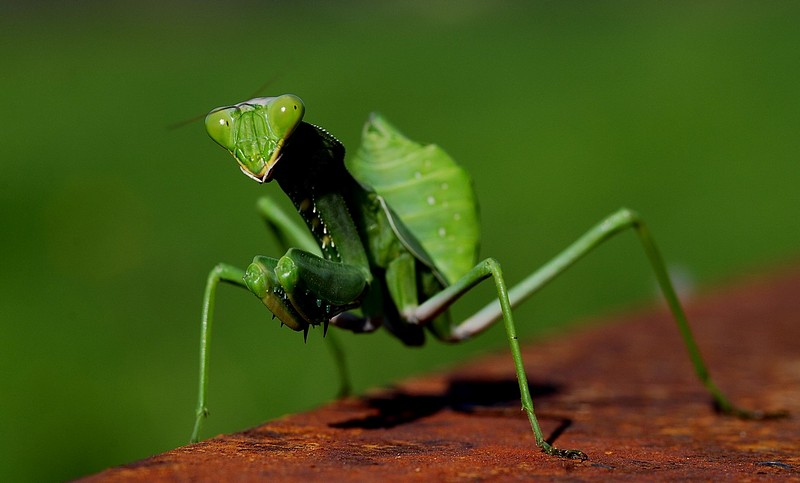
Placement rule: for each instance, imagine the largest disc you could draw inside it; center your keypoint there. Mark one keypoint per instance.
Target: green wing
(431, 194)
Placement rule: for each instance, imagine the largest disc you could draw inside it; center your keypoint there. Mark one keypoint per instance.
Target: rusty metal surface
(625, 394)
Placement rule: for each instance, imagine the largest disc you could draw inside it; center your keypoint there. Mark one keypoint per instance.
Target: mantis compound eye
(284, 113)
(219, 125)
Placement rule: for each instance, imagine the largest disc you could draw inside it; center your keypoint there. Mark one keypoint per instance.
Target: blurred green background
(562, 111)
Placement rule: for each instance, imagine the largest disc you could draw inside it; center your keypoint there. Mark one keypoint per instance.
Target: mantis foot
(749, 415)
(572, 454)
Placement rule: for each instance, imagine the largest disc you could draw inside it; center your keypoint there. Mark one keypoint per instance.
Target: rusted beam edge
(624, 393)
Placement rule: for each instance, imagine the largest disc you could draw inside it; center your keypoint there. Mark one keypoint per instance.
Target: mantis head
(255, 131)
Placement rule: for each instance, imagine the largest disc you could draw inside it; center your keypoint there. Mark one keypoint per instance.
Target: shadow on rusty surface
(475, 396)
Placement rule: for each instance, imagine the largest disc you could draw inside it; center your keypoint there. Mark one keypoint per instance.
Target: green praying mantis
(391, 240)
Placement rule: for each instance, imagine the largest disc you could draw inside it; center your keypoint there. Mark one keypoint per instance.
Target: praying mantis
(391, 240)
